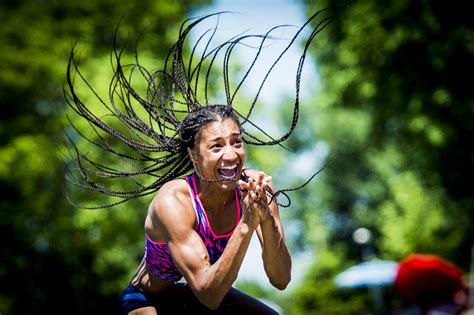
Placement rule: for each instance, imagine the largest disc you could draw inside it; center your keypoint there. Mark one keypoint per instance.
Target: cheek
(241, 153)
(200, 160)
(207, 161)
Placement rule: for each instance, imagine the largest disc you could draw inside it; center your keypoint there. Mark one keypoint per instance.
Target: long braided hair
(152, 133)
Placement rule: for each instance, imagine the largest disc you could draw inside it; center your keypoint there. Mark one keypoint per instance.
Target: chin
(228, 185)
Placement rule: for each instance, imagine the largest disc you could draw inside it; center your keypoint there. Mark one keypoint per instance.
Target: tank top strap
(202, 226)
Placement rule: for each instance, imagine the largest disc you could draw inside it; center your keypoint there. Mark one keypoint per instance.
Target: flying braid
(151, 134)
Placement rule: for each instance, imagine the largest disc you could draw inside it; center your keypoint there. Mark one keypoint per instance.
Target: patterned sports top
(157, 255)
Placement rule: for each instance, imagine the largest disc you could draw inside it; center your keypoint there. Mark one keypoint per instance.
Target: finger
(265, 182)
(254, 196)
(251, 184)
(247, 202)
(261, 176)
(243, 185)
(259, 190)
(267, 179)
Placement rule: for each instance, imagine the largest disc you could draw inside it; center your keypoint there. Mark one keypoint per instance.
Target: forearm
(216, 281)
(275, 254)
(276, 257)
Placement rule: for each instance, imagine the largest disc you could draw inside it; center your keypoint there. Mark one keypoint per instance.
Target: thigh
(181, 300)
(135, 302)
(149, 310)
(237, 302)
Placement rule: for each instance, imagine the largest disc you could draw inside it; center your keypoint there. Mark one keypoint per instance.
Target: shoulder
(174, 190)
(172, 204)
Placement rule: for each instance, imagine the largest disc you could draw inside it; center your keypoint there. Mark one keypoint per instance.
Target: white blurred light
(361, 236)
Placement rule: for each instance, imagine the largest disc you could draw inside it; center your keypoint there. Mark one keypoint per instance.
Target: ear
(193, 155)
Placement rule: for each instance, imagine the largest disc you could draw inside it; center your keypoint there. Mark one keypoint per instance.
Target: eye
(215, 146)
(238, 142)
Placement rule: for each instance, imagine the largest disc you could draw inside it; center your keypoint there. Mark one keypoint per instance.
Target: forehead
(219, 129)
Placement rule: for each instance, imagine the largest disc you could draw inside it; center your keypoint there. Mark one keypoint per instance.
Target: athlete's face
(220, 152)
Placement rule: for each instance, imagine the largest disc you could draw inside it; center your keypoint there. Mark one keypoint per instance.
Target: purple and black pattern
(158, 256)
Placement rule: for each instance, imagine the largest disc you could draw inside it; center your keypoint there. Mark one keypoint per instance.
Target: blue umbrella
(368, 274)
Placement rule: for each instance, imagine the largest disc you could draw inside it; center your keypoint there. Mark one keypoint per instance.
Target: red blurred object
(427, 280)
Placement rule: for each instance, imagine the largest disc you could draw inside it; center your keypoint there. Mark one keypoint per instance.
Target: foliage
(394, 118)
(396, 113)
(56, 258)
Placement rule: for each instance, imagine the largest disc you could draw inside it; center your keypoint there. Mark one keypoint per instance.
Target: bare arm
(210, 283)
(275, 254)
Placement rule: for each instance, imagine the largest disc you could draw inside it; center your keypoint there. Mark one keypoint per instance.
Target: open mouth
(228, 172)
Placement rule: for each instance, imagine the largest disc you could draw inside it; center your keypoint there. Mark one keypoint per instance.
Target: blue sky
(257, 17)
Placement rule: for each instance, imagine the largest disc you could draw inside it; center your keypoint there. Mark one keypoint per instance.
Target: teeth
(229, 167)
(228, 172)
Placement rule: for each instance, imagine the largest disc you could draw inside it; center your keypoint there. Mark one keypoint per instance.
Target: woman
(206, 205)
(201, 230)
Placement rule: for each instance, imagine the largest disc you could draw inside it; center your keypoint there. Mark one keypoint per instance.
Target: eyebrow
(218, 138)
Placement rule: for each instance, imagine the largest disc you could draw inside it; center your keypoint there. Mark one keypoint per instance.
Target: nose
(229, 153)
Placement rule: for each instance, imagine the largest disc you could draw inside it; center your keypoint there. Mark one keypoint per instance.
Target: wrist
(246, 228)
(267, 218)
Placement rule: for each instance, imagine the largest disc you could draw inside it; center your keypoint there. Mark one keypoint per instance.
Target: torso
(214, 229)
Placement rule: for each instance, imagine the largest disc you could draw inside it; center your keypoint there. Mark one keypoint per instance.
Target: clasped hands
(255, 195)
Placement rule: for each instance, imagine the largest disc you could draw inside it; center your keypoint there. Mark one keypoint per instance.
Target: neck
(213, 197)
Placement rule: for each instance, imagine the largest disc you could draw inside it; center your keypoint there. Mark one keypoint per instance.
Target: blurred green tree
(396, 114)
(56, 259)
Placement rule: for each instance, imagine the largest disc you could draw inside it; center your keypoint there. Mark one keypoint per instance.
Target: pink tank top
(157, 254)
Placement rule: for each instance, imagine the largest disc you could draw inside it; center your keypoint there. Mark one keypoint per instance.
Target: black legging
(179, 299)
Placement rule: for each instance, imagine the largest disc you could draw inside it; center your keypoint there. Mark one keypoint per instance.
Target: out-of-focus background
(386, 96)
